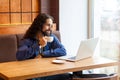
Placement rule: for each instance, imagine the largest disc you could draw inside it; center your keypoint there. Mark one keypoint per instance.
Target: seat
(109, 77)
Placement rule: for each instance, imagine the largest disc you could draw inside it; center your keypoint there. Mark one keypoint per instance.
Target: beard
(47, 32)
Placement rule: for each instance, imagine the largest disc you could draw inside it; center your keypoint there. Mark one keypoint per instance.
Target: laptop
(85, 50)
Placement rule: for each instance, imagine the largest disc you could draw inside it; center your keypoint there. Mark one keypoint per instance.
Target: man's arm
(56, 49)
(26, 50)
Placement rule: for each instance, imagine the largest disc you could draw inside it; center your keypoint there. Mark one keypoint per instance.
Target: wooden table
(20, 70)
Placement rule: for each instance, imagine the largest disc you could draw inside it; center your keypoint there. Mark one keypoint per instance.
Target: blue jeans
(56, 77)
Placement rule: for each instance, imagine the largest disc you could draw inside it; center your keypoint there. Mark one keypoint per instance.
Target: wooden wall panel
(4, 5)
(26, 5)
(35, 5)
(34, 15)
(15, 6)
(24, 11)
(51, 7)
(4, 18)
(18, 11)
(17, 29)
(26, 18)
(14, 29)
(45, 6)
(54, 11)
(15, 18)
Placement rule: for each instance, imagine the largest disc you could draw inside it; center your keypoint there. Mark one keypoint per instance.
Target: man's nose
(50, 27)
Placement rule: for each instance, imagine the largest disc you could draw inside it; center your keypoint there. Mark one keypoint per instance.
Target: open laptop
(85, 50)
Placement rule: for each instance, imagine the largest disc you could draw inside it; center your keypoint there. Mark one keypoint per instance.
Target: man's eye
(50, 25)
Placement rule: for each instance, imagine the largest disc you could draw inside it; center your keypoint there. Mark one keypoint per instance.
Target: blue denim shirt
(29, 49)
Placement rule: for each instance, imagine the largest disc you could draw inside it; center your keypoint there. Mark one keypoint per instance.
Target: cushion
(8, 48)
(57, 34)
(19, 37)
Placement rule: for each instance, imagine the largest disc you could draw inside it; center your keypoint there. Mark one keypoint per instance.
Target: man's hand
(42, 41)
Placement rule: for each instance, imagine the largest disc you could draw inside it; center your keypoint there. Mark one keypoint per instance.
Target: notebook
(86, 49)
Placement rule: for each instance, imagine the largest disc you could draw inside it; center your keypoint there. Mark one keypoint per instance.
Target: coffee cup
(49, 38)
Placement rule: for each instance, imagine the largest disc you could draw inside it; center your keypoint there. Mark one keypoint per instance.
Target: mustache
(47, 30)
(45, 33)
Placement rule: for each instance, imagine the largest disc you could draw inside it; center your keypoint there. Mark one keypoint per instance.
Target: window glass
(107, 24)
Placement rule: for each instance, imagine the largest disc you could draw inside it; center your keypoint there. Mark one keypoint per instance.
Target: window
(106, 14)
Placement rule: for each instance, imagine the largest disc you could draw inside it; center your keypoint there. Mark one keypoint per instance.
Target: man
(35, 42)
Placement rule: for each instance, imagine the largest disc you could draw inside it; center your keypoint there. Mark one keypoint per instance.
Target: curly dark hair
(37, 25)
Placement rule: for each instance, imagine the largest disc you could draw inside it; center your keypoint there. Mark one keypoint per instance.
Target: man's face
(47, 27)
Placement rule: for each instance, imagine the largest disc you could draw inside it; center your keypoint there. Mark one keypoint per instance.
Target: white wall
(73, 23)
